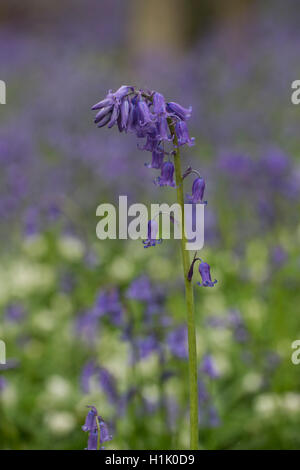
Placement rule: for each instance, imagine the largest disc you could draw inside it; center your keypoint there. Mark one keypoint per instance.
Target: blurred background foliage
(90, 322)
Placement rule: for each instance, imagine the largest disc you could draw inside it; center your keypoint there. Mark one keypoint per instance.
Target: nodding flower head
(197, 191)
(204, 270)
(157, 159)
(152, 233)
(183, 134)
(179, 111)
(111, 107)
(95, 424)
(167, 175)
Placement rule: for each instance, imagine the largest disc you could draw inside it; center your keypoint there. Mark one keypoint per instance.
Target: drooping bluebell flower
(93, 440)
(152, 142)
(93, 424)
(182, 133)
(104, 112)
(163, 129)
(110, 107)
(177, 342)
(144, 114)
(157, 159)
(90, 420)
(159, 104)
(197, 191)
(204, 270)
(167, 175)
(178, 110)
(160, 111)
(208, 367)
(104, 431)
(152, 234)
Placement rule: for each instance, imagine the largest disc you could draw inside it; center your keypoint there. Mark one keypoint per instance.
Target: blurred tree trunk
(233, 17)
(157, 26)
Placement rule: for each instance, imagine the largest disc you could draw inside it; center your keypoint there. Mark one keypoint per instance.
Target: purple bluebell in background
(140, 289)
(177, 342)
(208, 367)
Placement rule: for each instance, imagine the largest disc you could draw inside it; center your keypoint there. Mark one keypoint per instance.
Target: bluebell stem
(149, 116)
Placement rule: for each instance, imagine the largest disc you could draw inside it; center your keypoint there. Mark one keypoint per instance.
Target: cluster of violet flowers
(148, 115)
(97, 429)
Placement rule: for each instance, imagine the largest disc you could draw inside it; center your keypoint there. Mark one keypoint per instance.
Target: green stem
(99, 433)
(193, 384)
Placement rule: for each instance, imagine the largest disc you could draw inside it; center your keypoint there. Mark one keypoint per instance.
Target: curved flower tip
(114, 108)
(179, 111)
(204, 270)
(167, 175)
(152, 233)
